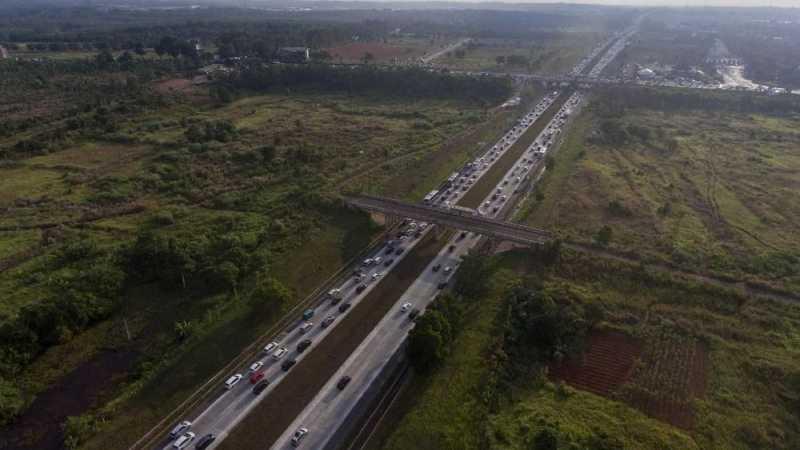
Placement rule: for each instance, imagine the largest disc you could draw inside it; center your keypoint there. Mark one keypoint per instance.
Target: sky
(681, 3)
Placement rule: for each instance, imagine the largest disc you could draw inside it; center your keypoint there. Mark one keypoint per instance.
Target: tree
(429, 340)
(104, 59)
(472, 278)
(545, 439)
(603, 236)
(269, 295)
(228, 274)
(139, 49)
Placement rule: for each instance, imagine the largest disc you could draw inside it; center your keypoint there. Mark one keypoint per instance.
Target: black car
(399, 251)
(388, 262)
(206, 440)
(303, 345)
(344, 307)
(462, 235)
(343, 382)
(442, 285)
(258, 388)
(389, 249)
(413, 314)
(451, 248)
(288, 364)
(361, 288)
(336, 300)
(437, 267)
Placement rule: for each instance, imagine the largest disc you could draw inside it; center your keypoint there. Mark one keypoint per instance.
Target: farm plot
(659, 374)
(606, 365)
(668, 376)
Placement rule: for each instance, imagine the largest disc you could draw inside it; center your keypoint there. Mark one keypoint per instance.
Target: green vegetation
(548, 54)
(700, 183)
(469, 401)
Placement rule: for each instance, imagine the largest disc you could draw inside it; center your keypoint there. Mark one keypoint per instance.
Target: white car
(179, 428)
(279, 353)
(405, 307)
(448, 269)
(255, 366)
(305, 327)
(376, 275)
(184, 440)
(298, 436)
(270, 347)
(229, 383)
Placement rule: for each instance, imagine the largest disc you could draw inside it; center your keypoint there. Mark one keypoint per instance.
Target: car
(388, 262)
(307, 314)
(184, 440)
(367, 262)
(399, 251)
(336, 300)
(205, 441)
(328, 320)
(389, 250)
(451, 248)
(344, 307)
(494, 210)
(336, 292)
(180, 428)
(442, 285)
(298, 436)
(462, 235)
(413, 314)
(376, 275)
(255, 377)
(360, 288)
(303, 345)
(343, 382)
(436, 267)
(231, 382)
(255, 366)
(259, 388)
(288, 364)
(448, 269)
(270, 347)
(405, 307)
(304, 328)
(377, 260)
(280, 353)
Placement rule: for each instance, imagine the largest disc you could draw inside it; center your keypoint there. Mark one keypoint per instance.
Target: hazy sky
(682, 3)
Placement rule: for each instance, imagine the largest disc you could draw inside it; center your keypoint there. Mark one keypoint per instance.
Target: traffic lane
(327, 412)
(229, 406)
(275, 412)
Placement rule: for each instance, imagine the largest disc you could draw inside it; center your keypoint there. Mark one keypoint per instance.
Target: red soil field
(604, 366)
(660, 376)
(355, 51)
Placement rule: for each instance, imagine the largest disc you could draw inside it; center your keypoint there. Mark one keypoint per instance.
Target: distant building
(646, 74)
(3, 52)
(293, 55)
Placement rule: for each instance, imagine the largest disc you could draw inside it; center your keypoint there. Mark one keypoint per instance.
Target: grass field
(752, 375)
(703, 190)
(325, 141)
(547, 57)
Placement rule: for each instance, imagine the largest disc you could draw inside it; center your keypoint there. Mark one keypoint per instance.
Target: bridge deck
(453, 218)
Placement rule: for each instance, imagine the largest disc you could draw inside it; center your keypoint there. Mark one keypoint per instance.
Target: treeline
(615, 101)
(395, 82)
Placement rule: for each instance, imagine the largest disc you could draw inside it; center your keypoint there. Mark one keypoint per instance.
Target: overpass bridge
(452, 218)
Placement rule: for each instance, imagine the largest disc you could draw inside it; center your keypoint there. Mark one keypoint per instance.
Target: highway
(331, 407)
(231, 406)
(326, 411)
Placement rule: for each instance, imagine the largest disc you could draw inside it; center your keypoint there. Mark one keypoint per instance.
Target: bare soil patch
(355, 51)
(40, 428)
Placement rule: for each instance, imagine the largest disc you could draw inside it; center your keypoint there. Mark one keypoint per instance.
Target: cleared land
(390, 50)
(702, 190)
